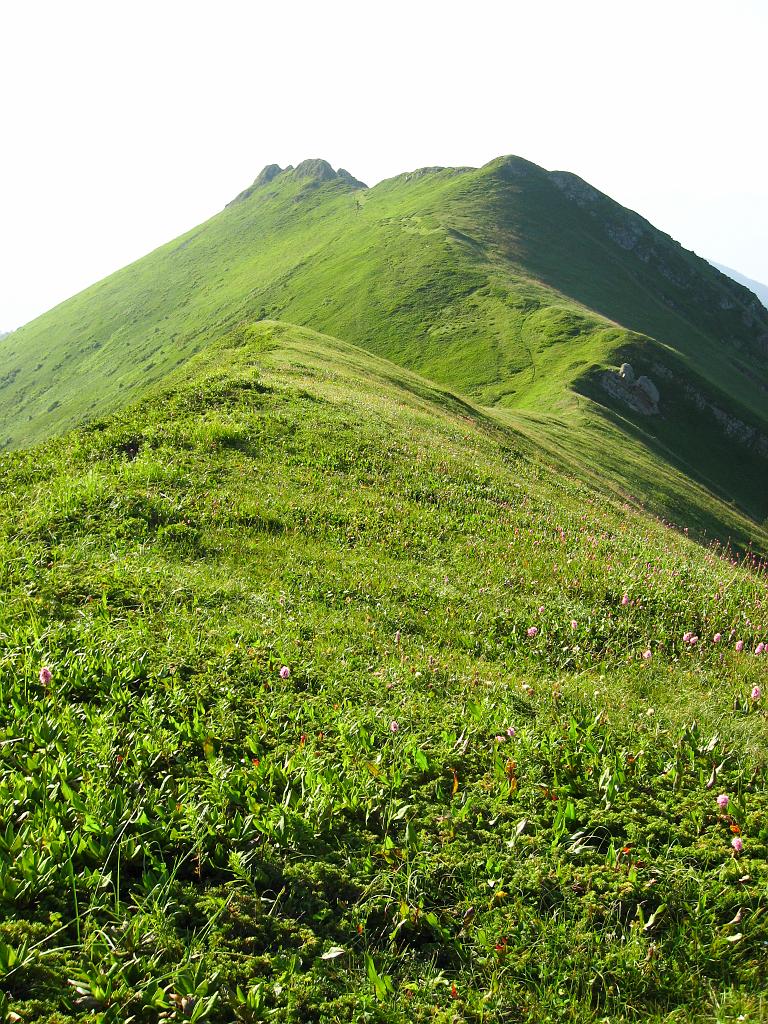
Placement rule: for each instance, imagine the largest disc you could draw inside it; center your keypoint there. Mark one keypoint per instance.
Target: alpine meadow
(383, 618)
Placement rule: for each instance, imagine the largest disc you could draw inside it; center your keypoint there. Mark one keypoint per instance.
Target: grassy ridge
(483, 790)
(507, 283)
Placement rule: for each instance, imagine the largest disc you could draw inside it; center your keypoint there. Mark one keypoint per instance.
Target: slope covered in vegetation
(327, 697)
(759, 289)
(512, 285)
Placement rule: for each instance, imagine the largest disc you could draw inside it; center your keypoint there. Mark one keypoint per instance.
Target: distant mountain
(760, 290)
(523, 289)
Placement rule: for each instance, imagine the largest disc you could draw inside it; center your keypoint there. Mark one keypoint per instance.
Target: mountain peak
(315, 169)
(511, 166)
(314, 172)
(266, 174)
(319, 171)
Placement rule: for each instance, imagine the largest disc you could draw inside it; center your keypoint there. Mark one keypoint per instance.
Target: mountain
(760, 290)
(327, 695)
(521, 289)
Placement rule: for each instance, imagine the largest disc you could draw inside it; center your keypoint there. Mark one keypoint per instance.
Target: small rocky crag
(639, 393)
(745, 434)
(312, 173)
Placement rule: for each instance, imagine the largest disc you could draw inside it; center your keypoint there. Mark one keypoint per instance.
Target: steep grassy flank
(482, 789)
(759, 289)
(616, 456)
(509, 284)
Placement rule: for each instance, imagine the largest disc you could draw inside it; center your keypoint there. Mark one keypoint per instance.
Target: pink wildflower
(511, 731)
(501, 739)
(723, 801)
(738, 844)
(625, 599)
(687, 638)
(532, 631)
(45, 675)
(760, 648)
(394, 726)
(693, 640)
(574, 623)
(647, 655)
(541, 609)
(285, 672)
(739, 645)
(717, 638)
(757, 693)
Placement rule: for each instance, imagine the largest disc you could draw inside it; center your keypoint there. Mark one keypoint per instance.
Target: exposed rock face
(642, 395)
(732, 426)
(712, 293)
(317, 170)
(313, 172)
(625, 227)
(350, 180)
(646, 385)
(267, 174)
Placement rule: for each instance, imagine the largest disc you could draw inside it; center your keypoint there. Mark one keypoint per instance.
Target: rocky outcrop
(694, 282)
(350, 180)
(314, 172)
(640, 393)
(318, 171)
(733, 427)
(267, 174)
(649, 389)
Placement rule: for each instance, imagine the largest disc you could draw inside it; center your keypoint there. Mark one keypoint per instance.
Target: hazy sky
(123, 124)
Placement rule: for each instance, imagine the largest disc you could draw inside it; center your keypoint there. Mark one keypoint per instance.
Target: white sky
(124, 124)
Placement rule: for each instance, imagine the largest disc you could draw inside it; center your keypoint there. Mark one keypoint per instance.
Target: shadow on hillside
(732, 483)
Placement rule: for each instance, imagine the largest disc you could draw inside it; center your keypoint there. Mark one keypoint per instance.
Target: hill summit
(314, 171)
(523, 289)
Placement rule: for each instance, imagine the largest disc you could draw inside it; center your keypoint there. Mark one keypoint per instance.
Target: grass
(436, 814)
(507, 284)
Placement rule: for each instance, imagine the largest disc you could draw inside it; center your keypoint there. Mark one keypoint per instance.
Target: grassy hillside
(509, 284)
(760, 290)
(328, 697)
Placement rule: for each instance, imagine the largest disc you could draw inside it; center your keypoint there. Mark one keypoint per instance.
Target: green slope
(759, 289)
(509, 284)
(474, 797)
